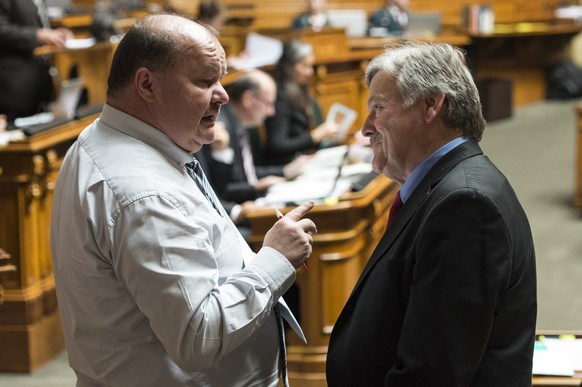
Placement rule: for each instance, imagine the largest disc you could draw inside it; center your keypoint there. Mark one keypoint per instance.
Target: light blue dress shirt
(422, 169)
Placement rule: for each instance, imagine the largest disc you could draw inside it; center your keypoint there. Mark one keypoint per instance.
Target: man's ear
(247, 99)
(433, 106)
(144, 84)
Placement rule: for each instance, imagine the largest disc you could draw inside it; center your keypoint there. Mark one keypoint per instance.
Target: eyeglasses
(268, 103)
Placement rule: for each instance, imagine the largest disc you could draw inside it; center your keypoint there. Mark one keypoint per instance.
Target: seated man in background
(392, 19)
(228, 161)
(315, 17)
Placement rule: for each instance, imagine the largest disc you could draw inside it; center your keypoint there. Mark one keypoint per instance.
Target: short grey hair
(422, 70)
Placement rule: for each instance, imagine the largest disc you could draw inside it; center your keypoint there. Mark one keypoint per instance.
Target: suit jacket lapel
(437, 172)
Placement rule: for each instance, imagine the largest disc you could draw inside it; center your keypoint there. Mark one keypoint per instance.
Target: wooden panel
(578, 160)
(280, 13)
(30, 332)
(529, 84)
(189, 7)
(343, 265)
(345, 88)
(262, 12)
(92, 64)
(233, 39)
(27, 347)
(521, 57)
(347, 233)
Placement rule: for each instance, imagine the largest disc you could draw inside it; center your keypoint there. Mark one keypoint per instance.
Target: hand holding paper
(343, 117)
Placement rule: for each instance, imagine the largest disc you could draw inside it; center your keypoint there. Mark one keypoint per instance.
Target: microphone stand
(331, 199)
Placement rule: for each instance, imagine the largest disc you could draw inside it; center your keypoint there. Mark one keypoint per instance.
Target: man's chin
(378, 164)
(205, 133)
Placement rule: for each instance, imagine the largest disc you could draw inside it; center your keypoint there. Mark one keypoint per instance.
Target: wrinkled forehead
(193, 38)
(204, 48)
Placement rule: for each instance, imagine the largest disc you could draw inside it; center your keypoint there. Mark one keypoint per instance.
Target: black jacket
(448, 298)
(229, 181)
(25, 82)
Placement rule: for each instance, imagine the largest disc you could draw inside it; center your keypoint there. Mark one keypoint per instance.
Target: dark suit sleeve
(219, 175)
(18, 34)
(268, 170)
(212, 170)
(462, 271)
(300, 21)
(240, 192)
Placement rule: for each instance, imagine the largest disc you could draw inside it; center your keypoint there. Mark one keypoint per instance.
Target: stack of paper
(259, 51)
(559, 356)
(328, 174)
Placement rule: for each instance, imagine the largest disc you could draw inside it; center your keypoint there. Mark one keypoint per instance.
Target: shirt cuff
(275, 269)
(235, 212)
(225, 156)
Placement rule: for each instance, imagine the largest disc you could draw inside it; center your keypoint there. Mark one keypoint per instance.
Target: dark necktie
(396, 205)
(197, 174)
(248, 162)
(282, 347)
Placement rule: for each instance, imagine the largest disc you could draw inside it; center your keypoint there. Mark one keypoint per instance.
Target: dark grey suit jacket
(25, 83)
(229, 181)
(448, 298)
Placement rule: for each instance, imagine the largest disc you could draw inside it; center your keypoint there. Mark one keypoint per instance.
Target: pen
(278, 213)
(280, 216)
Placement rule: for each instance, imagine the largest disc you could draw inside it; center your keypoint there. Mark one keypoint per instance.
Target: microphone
(331, 198)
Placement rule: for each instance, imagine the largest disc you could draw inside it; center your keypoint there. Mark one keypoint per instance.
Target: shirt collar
(422, 169)
(133, 127)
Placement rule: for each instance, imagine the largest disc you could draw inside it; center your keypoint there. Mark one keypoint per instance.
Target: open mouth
(211, 118)
(212, 114)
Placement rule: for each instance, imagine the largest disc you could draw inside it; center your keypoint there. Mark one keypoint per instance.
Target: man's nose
(368, 127)
(220, 96)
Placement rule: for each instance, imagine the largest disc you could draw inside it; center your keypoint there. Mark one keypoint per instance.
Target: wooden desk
(367, 43)
(550, 381)
(340, 78)
(578, 161)
(347, 235)
(5, 267)
(521, 52)
(30, 330)
(92, 64)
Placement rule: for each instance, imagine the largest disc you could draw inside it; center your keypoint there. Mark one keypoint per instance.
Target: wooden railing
(279, 14)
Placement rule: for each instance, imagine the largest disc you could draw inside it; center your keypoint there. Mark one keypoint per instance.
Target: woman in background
(297, 125)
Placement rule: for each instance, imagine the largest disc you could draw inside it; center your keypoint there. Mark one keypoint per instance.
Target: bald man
(230, 165)
(155, 285)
